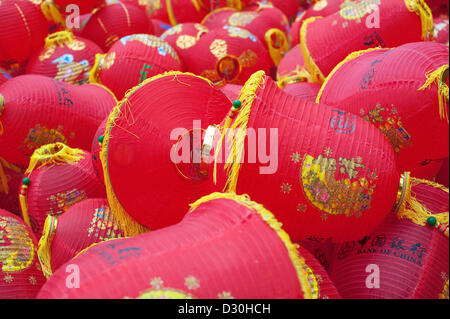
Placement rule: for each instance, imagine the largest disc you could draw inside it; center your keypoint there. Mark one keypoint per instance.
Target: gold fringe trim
(276, 54)
(3, 180)
(59, 38)
(316, 74)
(349, 57)
(57, 153)
(23, 204)
(436, 77)
(297, 261)
(51, 13)
(246, 96)
(426, 17)
(413, 210)
(45, 245)
(93, 74)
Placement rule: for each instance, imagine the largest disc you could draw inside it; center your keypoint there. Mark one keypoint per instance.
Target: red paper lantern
(183, 38)
(112, 22)
(133, 59)
(65, 58)
(441, 30)
(228, 55)
(176, 11)
(405, 258)
(362, 25)
(36, 110)
(220, 249)
(57, 178)
(20, 271)
(218, 17)
(10, 180)
(292, 68)
(303, 90)
(320, 249)
(23, 29)
(294, 32)
(324, 172)
(412, 111)
(82, 225)
(146, 160)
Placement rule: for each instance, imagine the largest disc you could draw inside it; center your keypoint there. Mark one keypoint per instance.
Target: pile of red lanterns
(283, 149)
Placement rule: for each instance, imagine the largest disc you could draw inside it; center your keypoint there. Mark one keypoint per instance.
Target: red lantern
(176, 11)
(65, 57)
(228, 55)
(10, 180)
(57, 178)
(441, 30)
(292, 68)
(183, 38)
(78, 30)
(82, 225)
(20, 271)
(4, 76)
(220, 249)
(303, 90)
(294, 32)
(146, 150)
(320, 249)
(23, 29)
(133, 59)
(405, 258)
(412, 112)
(324, 172)
(112, 22)
(218, 17)
(26, 103)
(362, 25)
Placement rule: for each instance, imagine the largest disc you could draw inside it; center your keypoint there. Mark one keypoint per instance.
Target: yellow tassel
(57, 153)
(349, 57)
(297, 261)
(59, 38)
(3, 180)
(93, 74)
(426, 17)
(239, 128)
(409, 207)
(23, 204)
(45, 245)
(279, 49)
(52, 13)
(437, 77)
(196, 4)
(2, 107)
(170, 13)
(316, 74)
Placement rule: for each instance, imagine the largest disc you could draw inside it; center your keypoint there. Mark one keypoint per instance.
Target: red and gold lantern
(407, 257)
(23, 28)
(57, 178)
(20, 271)
(362, 25)
(412, 111)
(10, 180)
(228, 55)
(220, 249)
(133, 59)
(324, 172)
(65, 57)
(4, 76)
(82, 225)
(292, 68)
(36, 110)
(149, 140)
(112, 22)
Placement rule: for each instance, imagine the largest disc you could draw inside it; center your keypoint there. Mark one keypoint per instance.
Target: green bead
(101, 138)
(26, 181)
(431, 221)
(237, 104)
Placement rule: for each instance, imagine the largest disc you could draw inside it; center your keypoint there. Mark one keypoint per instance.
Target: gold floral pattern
(108, 61)
(242, 18)
(225, 295)
(157, 283)
(61, 202)
(295, 157)
(191, 283)
(103, 225)
(219, 48)
(186, 41)
(354, 10)
(248, 58)
(41, 135)
(286, 188)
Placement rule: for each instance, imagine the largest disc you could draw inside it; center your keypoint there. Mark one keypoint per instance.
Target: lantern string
(57, 153)
(297, 261)
(3, 179)
(276, 50)
(23, 204)
(443, 92)
(45, 243)
(426, 17)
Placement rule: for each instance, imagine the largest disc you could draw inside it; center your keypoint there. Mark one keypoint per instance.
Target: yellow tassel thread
(410, 208)
(297, 261)
(426, 17)
(93, 74)
(437, 78)
(170, 13)
(316, 74)
(239, 128)
(45, 245)
(349, 57)
(3, 180)
(57, 153)
(59, 38)
(23, 204)
(301, 74)
(276, 50)
(51, 13)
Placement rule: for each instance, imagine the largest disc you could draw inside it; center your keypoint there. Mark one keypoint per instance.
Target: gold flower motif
(301, 207)
(109, 60)
(157, 283)
(328, 151)
(286, 188)
(191, 283)
(76, 45)
(33, 280)
(186, 41)
(225, 295)
(8, 279)
(218, 48)
(295, 157)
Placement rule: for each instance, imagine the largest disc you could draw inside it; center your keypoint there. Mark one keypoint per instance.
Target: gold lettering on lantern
(61, 202)
(186, 41)
(103, 226)
(248, 58)
(218, 48)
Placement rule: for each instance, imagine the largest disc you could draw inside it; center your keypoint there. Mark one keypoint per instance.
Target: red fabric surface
(413, 260)
(382, 86)
(23, 28)
(303, 90)
(20, 271)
